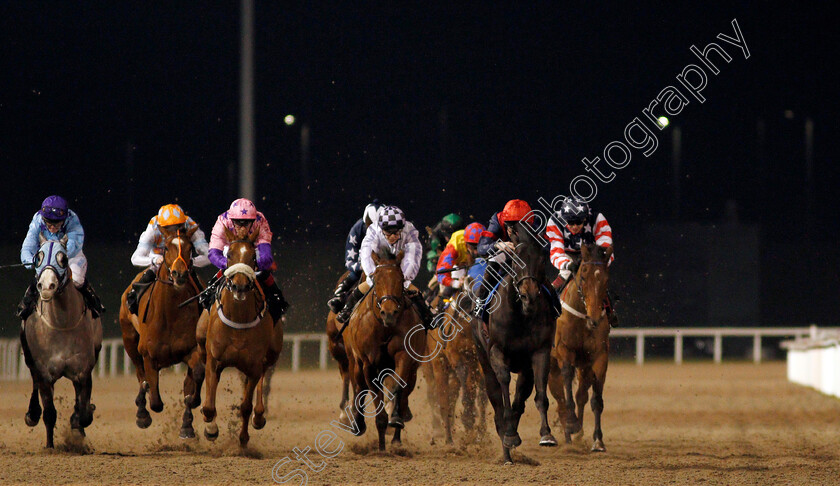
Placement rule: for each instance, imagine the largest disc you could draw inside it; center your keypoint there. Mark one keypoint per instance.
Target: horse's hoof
(342, 417)
(187, 433)
(598, 446)
(156, 407)
(211, 431)
(361, 428)
(30, 421)
(145, 386)
(259, 421)
(144, 421)
(396, 422)
(511, 441)
(548, 441)
(508, 463)
(408, 415)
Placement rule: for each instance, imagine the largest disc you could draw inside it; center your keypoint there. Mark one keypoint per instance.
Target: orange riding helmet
(516, 210)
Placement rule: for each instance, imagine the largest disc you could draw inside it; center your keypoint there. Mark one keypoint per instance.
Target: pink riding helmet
(242, 209)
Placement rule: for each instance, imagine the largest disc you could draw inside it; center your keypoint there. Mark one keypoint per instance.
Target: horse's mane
(597, 252)
(386, 254)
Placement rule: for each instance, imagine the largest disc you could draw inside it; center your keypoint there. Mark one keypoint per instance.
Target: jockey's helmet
(391, 218)
(371, 210)
(171, 214)
(472, 234)
(574, 211)
(242, 209)
(515, 210)
(54, 208)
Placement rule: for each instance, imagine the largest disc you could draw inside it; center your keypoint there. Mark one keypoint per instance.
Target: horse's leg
(360, 387)
(431, 397)
(33, 413)
(585, 380)
(524, 387)
(259, 409)
(131, 340)
(441, 372)
(494, 395)
(264, 387)
(467, 394)
(246, 407)
(192, 393)
(481, 396)
(555, 385)
(599, 369)
(510, 439)
(382, 417)
(344, 370)
(568, 372)
(46, 390)
(83, 410)
(541, 361)
(153, 379)
(213, 371)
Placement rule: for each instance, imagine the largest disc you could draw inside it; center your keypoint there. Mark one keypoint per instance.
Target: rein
(572, 310)
(236, 269)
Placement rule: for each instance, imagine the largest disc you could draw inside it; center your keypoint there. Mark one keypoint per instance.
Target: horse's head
(529, 278)
(592, 278)
(241, 265)
(388, 287)
(51, 267)
(177, 257)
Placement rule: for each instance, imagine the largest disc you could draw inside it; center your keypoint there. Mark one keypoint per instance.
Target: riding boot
(336, 303)
(422, 309)
(489, 281)
(609, 306)
(132, 300)
(445, 294)
(347, 311)
(27, 303)
(277, 305)
(91, 299)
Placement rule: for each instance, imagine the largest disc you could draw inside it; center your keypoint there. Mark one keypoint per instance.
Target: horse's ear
(375, 257)
(608, 253)
(429, 230)
(585, 252)
(191, 232)
(41, 239)
(400, 256)
(229, 235)
(64, 240)
(254, 236)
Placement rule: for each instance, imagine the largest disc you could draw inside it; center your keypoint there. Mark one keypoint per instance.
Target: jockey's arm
(31, 243)
(557, 251)
(369, 244)
(447, 260)
(142, 256)
(413, 254)
(603, 234)
(75, 234)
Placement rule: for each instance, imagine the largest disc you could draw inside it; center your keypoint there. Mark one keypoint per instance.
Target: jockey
(461, 252)
(439, 235)
(582, 227)
(243, 219)
(392, 233)
(351, 256)
(151, 247)
(495, 241)
(55, 221)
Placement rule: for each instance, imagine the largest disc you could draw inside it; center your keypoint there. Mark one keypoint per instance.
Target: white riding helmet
(372, 212)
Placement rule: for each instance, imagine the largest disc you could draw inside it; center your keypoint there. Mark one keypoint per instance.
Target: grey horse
(60, 339)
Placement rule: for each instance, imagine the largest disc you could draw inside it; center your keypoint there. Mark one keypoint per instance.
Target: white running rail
(12, 366)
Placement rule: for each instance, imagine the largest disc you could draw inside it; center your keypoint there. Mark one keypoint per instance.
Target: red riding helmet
(472, 233)
(515, 210)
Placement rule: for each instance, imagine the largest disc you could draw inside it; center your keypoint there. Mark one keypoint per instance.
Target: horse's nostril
(40, 286)
(52, 286)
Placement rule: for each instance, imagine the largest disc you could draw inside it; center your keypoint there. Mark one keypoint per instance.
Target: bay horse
(239, 332)
(455, 371)
(376, 339)
(335, 344)
(582, 344)
(162, 334)
(521, 332)
(61, 338)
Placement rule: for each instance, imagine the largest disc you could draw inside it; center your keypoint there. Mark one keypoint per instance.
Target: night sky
(125, 106)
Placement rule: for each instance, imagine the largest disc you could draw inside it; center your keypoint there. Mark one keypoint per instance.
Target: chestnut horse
(61, 338)
(383, 324)
(455, 370)
(161, 334)
(582, 344)
(239, 332)
(521, 332)
(335, 343)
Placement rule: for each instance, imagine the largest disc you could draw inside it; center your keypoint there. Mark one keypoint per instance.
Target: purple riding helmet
(54, 208)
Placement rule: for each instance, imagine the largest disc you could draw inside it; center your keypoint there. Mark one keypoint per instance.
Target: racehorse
(239, 332)
(376, 339)
(60, 338)
(335, 343)
(162, 334)
(455, 369)
(583, 344)
(520, 332)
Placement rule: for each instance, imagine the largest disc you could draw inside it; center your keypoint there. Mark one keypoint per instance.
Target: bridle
(169, 267)
(381, 300)
(579, 283)
(526, 277)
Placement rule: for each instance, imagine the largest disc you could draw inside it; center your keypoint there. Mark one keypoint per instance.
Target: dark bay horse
(162, 334)
(239, 332)
(335, 343)
(61, 338)
(583, 344)
(455, 371)
(521, 332)
(376, 339)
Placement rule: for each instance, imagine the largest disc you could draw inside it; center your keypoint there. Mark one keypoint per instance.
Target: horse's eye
(61, 260)
(39, 258)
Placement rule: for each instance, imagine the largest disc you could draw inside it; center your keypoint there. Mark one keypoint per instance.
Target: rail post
(640, 348)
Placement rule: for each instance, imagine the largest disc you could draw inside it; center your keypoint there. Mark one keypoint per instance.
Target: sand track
(663, 424)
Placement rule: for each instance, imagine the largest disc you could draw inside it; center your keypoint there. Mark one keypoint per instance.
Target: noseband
(170, 267)
(579, 289)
